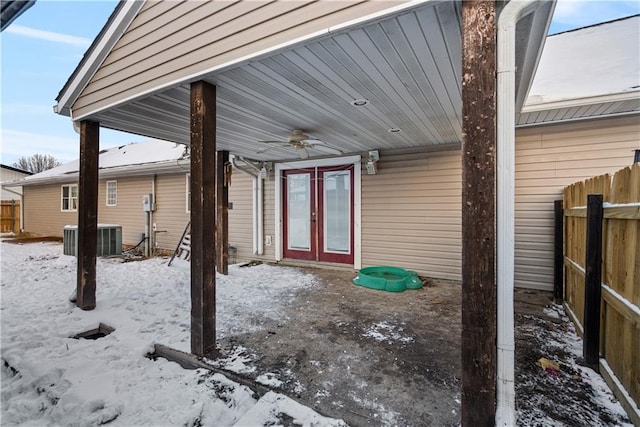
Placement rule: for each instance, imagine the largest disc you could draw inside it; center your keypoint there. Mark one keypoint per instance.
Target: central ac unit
(109, 240)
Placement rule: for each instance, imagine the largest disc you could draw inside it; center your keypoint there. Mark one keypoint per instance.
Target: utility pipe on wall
(506, 67)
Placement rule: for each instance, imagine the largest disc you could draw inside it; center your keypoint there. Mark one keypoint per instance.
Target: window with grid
(69, 197)
(112, 193)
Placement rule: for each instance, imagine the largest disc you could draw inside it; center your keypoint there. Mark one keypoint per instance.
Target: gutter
(506, 113)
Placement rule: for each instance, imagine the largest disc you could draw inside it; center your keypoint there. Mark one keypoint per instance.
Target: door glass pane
(299, 211)
(337, 215)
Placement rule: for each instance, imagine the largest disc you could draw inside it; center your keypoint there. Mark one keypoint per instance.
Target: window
(112, 193)
(188, 192)
(69, 197)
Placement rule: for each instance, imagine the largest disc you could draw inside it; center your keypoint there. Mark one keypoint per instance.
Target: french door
(318, 214)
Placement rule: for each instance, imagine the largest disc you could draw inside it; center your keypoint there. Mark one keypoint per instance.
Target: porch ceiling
(408, 66)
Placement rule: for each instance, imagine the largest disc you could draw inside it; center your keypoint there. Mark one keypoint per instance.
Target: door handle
(313, 217)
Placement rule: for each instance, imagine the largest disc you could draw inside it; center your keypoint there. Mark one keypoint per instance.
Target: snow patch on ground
(49, 378)
(386, 332)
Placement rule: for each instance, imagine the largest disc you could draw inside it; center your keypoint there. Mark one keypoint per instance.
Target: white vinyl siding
(411, 215)
(548, 158)
(158, 47)
(69, 198)
(170, 215)
(42, 214)
(112, 193)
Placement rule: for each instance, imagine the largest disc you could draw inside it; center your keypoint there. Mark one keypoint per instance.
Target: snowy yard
(49, 378)
(368, 357)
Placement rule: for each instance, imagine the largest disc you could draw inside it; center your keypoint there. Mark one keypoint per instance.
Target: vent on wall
(109, 240)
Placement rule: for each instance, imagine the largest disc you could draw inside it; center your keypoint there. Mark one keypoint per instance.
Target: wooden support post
(87, 214)
(558, 252)
(478, 213)
(222, 213)
(593, 282)
(203, 219)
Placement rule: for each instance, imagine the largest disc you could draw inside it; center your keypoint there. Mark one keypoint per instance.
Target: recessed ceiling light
(394, 130)
(359, 102)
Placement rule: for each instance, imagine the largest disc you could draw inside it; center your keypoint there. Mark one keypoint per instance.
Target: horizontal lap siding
(169, 41)
(128, 212)
(171, 216)
(411, 215)
(241, 217)
(548, 159)
(42, 214)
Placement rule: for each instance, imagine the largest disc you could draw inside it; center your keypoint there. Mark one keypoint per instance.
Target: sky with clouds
(40, 50)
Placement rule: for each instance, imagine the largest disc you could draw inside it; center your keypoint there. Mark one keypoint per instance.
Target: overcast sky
(42, 47)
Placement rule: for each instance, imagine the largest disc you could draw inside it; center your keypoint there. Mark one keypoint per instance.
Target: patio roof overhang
(406, 63)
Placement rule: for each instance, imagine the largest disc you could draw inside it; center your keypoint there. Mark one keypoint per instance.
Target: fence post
(558, 252)
(593, 282)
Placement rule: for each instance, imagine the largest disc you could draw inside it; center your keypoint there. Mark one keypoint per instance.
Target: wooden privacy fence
(10, 216)
(617, 288)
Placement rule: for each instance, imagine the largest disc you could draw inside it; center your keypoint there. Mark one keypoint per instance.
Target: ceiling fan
(301, 142)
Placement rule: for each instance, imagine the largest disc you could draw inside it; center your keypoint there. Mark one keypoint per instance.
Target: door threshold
(315, 264)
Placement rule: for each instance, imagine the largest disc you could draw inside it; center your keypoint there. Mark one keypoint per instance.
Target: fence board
(620, 320)
(10, 216)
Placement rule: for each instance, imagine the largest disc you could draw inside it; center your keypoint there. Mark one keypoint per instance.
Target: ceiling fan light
(359, 102)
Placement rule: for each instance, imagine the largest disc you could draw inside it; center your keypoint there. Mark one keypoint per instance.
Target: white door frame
(357, 212)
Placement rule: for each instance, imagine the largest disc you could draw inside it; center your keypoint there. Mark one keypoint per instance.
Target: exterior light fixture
(372, 162)
(359, 102)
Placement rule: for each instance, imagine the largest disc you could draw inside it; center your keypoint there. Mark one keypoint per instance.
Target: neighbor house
(581, 119)
(127, 174)
(12, 212)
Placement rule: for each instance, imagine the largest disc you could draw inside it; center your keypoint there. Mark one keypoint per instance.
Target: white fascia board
(262, 53)
(97, 55)
(532, 106)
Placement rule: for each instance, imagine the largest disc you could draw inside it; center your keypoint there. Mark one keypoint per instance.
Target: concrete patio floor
(377, 358)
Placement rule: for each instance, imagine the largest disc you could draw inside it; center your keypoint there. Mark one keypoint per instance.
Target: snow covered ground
(51, 379)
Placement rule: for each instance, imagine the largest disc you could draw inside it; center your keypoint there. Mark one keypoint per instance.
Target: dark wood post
(88, 214)
(478, 213)
(593, 282)
(222, 212)
(203, 219)
(558, 252)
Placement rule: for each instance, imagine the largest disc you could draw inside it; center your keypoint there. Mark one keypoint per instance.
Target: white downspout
(506, 135)
(254, 200)
(260, 216)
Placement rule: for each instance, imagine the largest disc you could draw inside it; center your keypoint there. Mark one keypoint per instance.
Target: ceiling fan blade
(273, 142)
(273, 147)
(312, 141)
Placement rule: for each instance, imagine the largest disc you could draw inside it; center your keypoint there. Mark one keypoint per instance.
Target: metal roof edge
(582, 101)
(116, 25)
(159, 168)
(579, 119)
